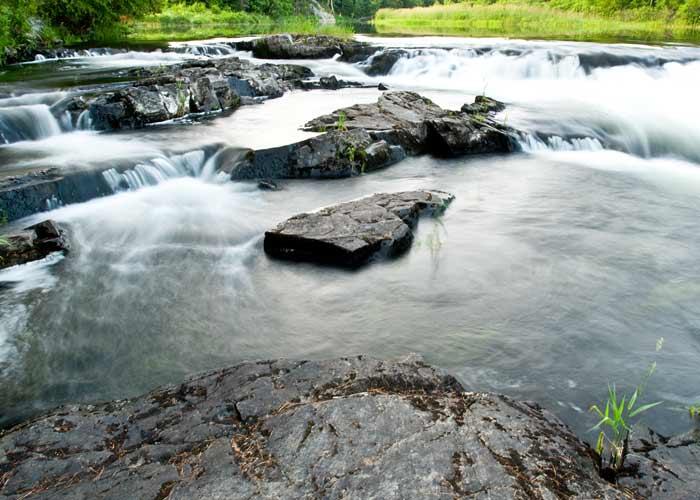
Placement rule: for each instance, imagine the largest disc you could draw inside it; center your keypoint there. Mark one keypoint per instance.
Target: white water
(27, 123)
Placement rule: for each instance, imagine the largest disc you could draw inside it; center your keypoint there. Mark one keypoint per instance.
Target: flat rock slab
(34, 243)
(344, 428)
(350, 234)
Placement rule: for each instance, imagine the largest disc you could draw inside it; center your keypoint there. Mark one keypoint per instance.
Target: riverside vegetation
(28, 25)
(582, 20)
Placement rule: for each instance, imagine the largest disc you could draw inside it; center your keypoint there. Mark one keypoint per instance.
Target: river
(552, 274)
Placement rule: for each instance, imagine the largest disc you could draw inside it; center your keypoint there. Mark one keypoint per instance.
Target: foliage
(558, 19)
(3, 221)
(94, 17)
(694, 411)
(184, 21)
(342, 118)
(616, 420)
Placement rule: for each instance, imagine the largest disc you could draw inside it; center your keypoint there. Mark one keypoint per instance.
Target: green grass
(189, 22)
(529, 20)
(616, 418)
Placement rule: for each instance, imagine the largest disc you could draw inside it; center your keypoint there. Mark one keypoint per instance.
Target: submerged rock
(34, 243)
(351, 233)
(351, 427)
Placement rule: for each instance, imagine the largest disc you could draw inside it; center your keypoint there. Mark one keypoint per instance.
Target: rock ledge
(350, 427)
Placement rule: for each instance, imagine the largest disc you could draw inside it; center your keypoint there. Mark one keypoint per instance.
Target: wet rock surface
(344, 428)
(367, 137)
(34, 243)
(349, 234)
(173, 92)
(331, 155)
(663, 467)
(418, 125)
(307, 47)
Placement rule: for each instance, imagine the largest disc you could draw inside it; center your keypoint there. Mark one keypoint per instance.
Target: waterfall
(155, 171)
(205, 49)
(573, 97)
(27, 123)
(533, 144)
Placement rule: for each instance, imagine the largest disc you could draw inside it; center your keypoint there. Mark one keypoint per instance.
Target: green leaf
(644, 408)
(633, 399)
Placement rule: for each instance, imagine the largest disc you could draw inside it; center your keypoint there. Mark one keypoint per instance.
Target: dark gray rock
(332, 83)
(307, 47)
(484, 105)
(351, 233)
(345, 428)
(383, 61)
(41, 190)
(34, 243)
(268, 185)
(366, 137)
(662, 467)
(339, 153)
(418, 125)
(194, 87)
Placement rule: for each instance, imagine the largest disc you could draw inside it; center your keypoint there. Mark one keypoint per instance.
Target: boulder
(34, 243)
(484, 105)
(383, 61)
(419, 125)
(350, 234)
(201, 86)
(332, 83)
(344, 428)
(366, 137)
(307, 47)
(339, 153)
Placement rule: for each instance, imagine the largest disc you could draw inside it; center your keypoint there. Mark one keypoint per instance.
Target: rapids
(553, 273)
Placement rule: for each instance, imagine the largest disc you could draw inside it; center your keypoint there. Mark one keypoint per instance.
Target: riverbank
(192, 22)
(530, 21)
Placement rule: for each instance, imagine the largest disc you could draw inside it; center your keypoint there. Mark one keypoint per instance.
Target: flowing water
(553, 273)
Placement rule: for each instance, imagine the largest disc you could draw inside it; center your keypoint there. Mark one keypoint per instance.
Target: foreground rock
(367, 137)
(349, 234)
(346, 428)
(173, 92)
(662, 467)
(34, 243)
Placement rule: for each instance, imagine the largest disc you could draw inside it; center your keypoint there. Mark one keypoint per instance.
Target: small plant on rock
(342, 118)
(616, 417)
(694, 411)
(3, 221)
